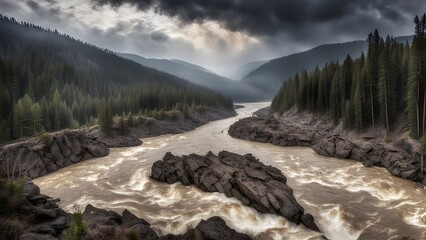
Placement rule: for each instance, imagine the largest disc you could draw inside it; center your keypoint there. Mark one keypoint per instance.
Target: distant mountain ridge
(269, 76)
(238, 91)
(244, 70)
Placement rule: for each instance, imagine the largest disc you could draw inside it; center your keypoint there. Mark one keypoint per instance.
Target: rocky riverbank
(39, 156)
(243, 177)
(399, 156)
(37, 216)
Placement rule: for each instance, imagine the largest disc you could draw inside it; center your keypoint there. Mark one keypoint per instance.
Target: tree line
(50, 81)
(370, 90)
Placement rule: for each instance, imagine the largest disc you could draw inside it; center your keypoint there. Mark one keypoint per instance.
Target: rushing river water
(347, 200)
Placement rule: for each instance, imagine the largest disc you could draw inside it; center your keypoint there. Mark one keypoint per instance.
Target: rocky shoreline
(39, 156)
(243, 177)
(38, 217)
(399, 157)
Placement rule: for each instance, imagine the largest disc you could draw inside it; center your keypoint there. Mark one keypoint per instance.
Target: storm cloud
(272, 17)
(217, 34)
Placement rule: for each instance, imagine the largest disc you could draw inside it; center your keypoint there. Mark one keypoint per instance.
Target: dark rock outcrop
(34, 157)
(40, 217)
(243, 177)
(45, 220)
(399, 159)
(104, 224)
(213, 228)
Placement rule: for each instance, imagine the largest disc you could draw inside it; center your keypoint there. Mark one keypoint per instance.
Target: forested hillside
(50, 81)
(368, 91)
(270, 76)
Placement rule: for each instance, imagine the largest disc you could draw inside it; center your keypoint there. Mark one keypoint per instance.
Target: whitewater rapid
(347, 200)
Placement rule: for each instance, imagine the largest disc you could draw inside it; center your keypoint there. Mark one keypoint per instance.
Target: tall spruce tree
(105, 119)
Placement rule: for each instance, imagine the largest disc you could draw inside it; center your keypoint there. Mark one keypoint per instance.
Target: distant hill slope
(238, 91)
(270, 75)
(242, 71)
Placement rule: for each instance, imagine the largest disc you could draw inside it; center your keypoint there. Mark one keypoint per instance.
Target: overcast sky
(217, 34)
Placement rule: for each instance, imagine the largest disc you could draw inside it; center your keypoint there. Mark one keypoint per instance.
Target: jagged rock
(48, 221)
(34, 159)
(31, 190)
(109, 224)
(308, 220)
(213, 228)
(98, 217)
(343, 149)
(138, 225)
(243, 177)
(368, 150)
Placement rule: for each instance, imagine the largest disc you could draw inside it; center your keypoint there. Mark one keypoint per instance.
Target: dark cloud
(279, 27)
(159, 36)
(260, 17)
(33, 5)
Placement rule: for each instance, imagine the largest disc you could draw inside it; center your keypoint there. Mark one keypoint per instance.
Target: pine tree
(105, 117)
(55, 111)
(18, 120)
(415, 85)
(27, 104)
(4, 131)
(358, 104)
(45, 117)
(130, 120)
(372, 72)
(385, 88)
(36, 118)
(335, 97)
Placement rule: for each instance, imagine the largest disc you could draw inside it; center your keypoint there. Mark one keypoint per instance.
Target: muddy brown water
(347, 200)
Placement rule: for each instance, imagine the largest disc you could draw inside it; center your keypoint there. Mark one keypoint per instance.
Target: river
(347, 200)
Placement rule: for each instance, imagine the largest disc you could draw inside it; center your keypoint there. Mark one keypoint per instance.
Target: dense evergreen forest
(371, 90)
(50, 81)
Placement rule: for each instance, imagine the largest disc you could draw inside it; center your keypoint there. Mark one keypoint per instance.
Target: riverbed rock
(399, 158)
(243, 177)
(214, 228)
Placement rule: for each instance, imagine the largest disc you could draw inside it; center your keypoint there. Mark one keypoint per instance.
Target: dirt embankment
(400, 155)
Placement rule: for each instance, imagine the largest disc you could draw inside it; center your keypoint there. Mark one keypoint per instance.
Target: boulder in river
(259, 186)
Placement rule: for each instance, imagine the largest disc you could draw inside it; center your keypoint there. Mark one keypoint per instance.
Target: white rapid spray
(347, 200)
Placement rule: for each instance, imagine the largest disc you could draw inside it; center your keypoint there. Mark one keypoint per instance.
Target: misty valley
(123, 119)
